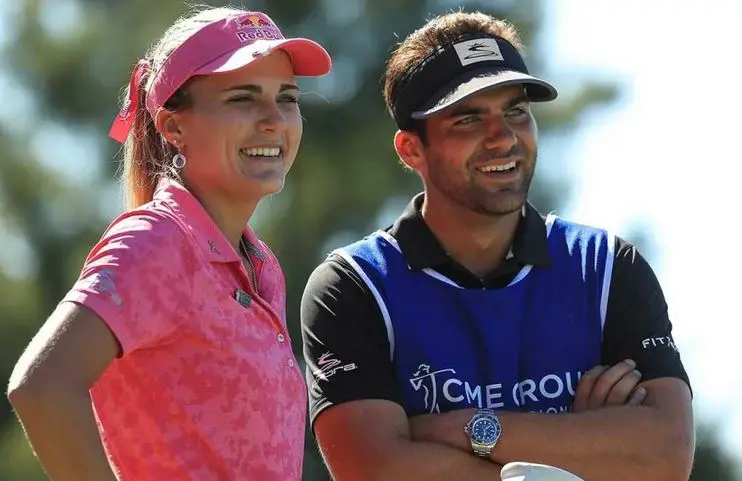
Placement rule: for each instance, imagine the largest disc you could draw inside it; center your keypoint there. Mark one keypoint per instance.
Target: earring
(179, 161)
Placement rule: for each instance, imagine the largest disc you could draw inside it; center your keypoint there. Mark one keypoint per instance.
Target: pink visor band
(221, 46)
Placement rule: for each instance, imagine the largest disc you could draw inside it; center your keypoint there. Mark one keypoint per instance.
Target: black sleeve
(637, 325)
(345, 342)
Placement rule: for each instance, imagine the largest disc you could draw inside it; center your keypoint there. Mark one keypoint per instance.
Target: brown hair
(147, 155)
(438, 31)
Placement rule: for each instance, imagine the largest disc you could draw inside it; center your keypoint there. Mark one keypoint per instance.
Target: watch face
(485, 431)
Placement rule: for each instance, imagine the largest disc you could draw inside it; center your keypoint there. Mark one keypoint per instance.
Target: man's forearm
(606, 444)
(614, 443)
(60, 425)
(414, 461)
(421, 461)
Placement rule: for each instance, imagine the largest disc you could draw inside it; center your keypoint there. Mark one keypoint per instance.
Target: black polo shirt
(343, 326)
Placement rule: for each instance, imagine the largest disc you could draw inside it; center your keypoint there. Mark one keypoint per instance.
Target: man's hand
(602, 386)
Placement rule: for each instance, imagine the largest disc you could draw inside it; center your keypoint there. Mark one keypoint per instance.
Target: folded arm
(652, 441)
(369, 440)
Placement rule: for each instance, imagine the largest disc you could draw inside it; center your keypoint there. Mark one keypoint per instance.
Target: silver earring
(179, 161)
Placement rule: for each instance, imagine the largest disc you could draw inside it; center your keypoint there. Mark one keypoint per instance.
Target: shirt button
(280, 338)
(291, 363)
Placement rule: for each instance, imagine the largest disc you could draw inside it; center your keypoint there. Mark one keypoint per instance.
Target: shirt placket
(249, 282)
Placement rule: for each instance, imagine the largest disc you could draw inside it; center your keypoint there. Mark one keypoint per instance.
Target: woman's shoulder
(149, 230)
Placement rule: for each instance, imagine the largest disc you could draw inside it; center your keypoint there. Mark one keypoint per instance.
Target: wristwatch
(483, 430)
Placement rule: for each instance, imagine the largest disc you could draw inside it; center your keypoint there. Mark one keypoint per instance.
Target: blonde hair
(146, 154)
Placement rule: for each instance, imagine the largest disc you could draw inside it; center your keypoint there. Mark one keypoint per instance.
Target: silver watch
(483, 430)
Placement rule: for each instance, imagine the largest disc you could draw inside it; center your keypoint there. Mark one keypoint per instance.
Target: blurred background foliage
(64, 64)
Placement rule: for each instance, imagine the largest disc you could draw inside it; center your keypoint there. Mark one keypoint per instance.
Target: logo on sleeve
(328, 366)
(659, 342)
(103, 283)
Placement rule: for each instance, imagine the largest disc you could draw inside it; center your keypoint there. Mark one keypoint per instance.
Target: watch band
(481, 451)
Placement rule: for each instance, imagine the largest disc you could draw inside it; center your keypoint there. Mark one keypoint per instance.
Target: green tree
(74, 56)
(714, 461)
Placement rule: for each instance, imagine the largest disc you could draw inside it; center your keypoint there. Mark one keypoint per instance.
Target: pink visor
(221, 46)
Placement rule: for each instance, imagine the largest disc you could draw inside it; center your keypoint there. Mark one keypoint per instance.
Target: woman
(176, 328)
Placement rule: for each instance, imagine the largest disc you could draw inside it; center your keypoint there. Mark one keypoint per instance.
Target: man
(442, 347)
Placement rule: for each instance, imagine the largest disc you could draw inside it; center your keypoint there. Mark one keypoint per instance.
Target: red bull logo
(254, 27)
(254, 21)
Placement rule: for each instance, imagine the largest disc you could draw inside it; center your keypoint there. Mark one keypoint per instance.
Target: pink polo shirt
(207, 387)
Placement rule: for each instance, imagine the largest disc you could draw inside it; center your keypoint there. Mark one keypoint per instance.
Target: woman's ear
(168, 124)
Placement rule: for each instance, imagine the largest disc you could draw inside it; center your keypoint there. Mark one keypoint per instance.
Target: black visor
(457, 70)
